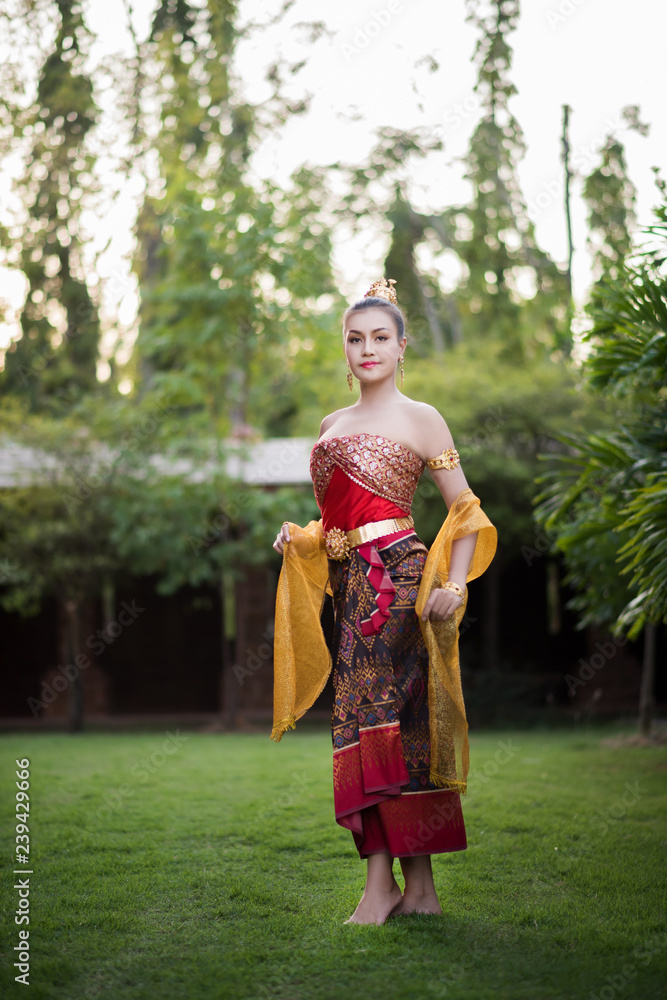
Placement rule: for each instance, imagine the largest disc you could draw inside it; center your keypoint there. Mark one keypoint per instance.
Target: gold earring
(350, 377)
(400, 360)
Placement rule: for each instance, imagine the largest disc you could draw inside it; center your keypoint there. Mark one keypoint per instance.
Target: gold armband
(449, 459)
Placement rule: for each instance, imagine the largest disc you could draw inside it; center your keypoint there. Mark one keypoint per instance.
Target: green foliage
(188, 532)
(239, 314)
(605, 498)
(434, 320)
(511, 290)
(629, 357)
(370, 186)
(231, 268)
(610, 196)
(237, 291)
(227, 268)
(502, 416)
(645, 551)
(580, 509)
(117, 492)
(54, 362)
(54, 530)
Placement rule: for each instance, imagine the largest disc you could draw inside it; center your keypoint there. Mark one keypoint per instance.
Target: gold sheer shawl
(302, 661)
(447, 717)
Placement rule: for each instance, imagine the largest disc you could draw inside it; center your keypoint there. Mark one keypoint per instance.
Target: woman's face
(372, 347)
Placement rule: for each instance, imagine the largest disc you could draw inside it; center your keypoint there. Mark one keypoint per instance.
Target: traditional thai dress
(399, 731)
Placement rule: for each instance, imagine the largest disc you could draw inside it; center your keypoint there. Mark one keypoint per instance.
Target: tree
(55, 534)
(512, 290)
(122, 490)
(55, 359)
(606, 497)
(230, 266)
(610, 196)
(434, 319)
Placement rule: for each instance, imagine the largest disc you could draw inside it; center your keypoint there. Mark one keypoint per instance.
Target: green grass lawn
(217, 870)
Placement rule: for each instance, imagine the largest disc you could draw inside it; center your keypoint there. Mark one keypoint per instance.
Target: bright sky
(596, 55)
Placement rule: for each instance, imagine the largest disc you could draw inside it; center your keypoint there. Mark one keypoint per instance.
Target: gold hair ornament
(382, 289)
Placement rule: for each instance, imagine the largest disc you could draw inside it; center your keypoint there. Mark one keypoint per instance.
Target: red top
(347, 505)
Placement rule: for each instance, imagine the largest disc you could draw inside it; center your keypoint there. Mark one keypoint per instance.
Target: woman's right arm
(284, 535)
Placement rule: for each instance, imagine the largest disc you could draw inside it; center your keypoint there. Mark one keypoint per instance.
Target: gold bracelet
(449, 459)
(454, 587)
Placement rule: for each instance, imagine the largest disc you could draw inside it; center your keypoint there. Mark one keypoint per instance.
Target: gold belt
(338, 542)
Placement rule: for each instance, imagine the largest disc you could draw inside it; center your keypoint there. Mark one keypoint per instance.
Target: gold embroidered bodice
(383, 466)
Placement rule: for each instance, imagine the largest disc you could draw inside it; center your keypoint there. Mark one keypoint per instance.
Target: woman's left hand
(440, 605)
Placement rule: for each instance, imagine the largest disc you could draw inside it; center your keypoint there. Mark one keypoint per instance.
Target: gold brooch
(449, 459)
(336, 544)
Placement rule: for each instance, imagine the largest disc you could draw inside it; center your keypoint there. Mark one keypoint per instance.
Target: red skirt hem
(382, 818)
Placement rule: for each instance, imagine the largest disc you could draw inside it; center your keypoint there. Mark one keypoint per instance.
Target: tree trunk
(553, 598)
(568, 175)
(431, 313)
(76, 684)
(108, 602)
(228, 682)
(455, 326)
(648, 677)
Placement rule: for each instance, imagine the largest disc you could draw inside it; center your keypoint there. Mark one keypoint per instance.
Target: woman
(398, 726)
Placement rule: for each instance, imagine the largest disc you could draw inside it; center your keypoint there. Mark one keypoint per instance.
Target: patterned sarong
(380, 719)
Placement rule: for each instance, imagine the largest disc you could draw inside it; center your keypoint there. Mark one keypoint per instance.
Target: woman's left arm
(450, 481)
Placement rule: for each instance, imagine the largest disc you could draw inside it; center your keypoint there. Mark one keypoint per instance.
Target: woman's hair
(375, 303)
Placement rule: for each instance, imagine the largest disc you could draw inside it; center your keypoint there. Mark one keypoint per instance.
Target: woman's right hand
(282, 537)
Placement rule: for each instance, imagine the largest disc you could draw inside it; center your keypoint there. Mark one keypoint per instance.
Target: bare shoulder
(431, 429)
(430, 418)
(331, 419)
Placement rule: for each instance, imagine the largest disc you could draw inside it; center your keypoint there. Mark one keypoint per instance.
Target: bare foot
(411, 903)
(374, 908)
